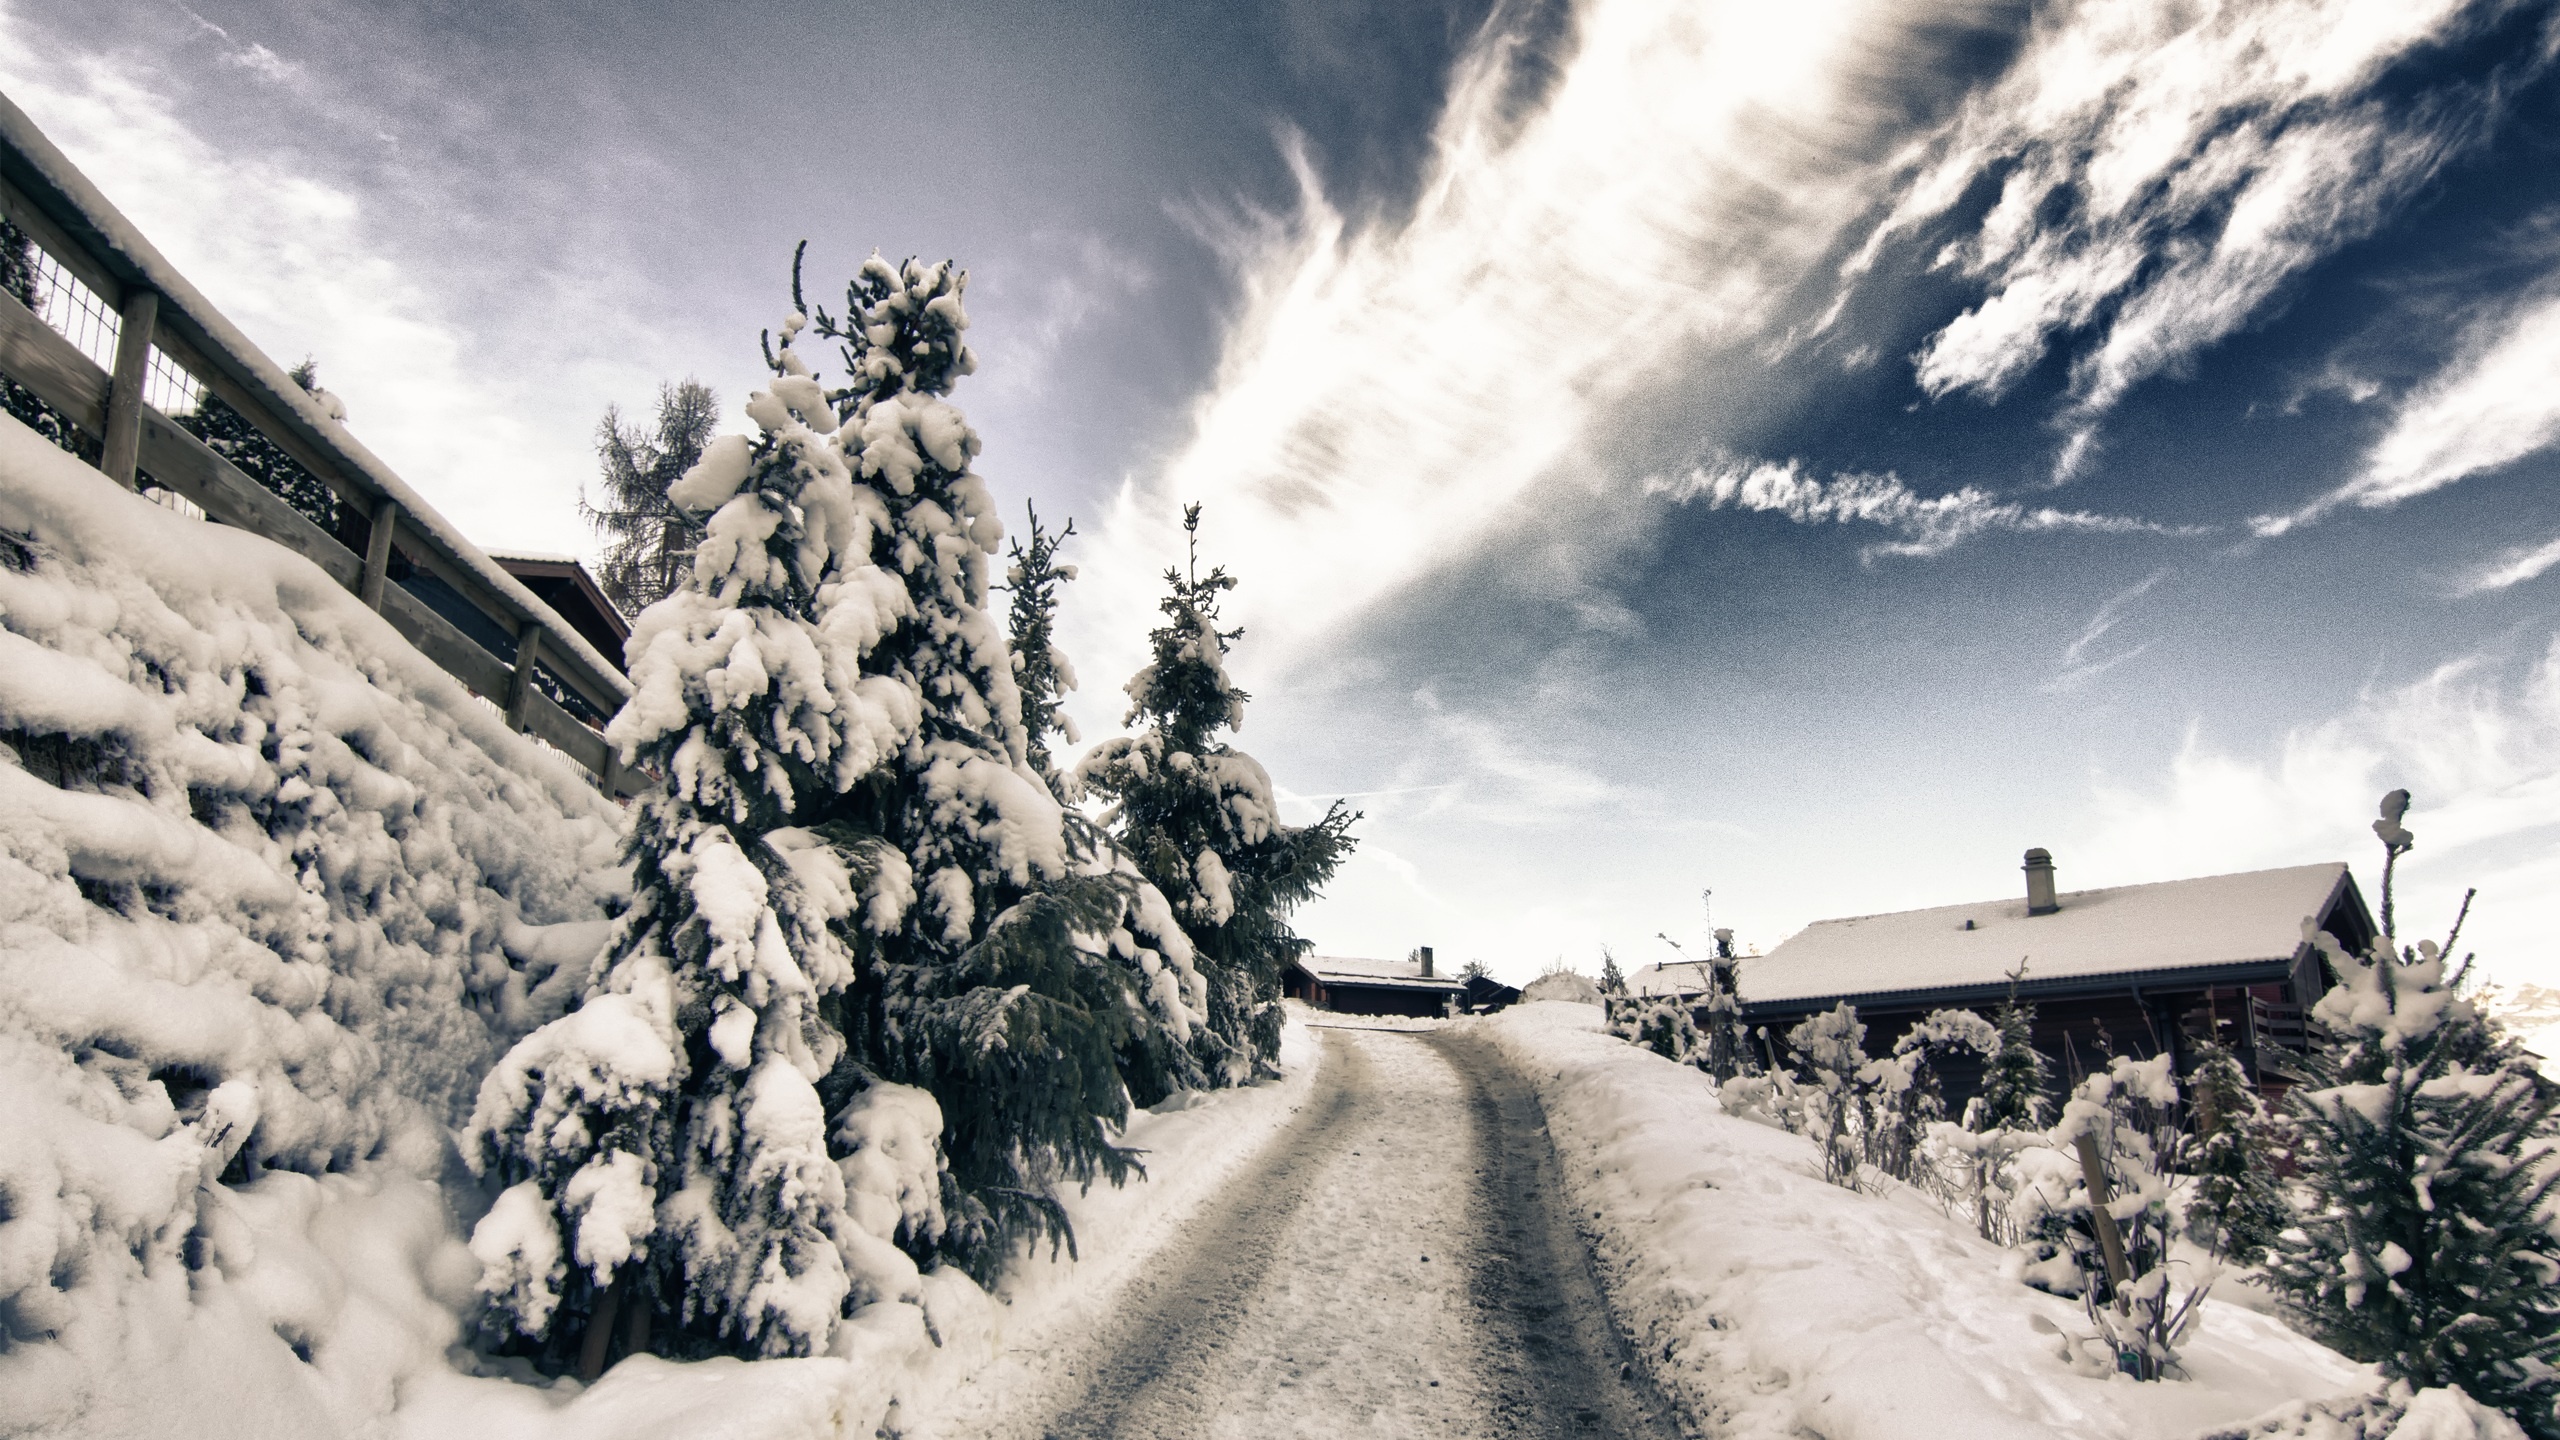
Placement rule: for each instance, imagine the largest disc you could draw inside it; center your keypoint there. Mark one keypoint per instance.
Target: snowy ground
(1392, 1266)
(1773, 1304)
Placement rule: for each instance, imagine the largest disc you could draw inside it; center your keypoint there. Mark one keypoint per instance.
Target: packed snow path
(1398, 1264)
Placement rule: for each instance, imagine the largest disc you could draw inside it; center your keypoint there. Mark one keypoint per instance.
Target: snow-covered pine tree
(1032, 961)
(2013, 1085)
(648, 538)
(1613, 981)
(665, 1144)
(2425, 1144)
(857, 922)
(1040, 669)
(1201, 821)
(2238, 1206)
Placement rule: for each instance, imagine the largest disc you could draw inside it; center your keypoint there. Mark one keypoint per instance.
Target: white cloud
(1389, 391)
(2077, 668)
(2480, 749)
(2496, 402)
(2173, 164)
(2512, 567)
(292, 259)
(1929, 524)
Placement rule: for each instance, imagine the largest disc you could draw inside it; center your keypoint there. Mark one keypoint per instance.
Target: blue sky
(1809, 455)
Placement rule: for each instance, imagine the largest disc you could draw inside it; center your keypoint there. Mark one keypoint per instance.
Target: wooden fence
(164, 337)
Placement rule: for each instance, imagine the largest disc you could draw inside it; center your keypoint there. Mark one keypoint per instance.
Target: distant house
(1484, 995)
(1354, 986)
(562, 583)
(1670, 980)
(558, 581)
(2133, 968)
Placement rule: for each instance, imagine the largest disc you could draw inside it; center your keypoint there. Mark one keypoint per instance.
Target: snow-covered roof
(2217, 920)
(1356, 970)
(1671, 977)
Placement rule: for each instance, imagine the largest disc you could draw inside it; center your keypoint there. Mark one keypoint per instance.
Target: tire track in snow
(1398, 1264)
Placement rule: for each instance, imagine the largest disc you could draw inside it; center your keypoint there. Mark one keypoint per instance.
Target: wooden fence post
(122, 455)
(520, 691)
(2110, 1239)
(377, 552)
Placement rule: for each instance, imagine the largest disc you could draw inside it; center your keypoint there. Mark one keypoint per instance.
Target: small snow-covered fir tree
(2013, 1085)
(2425, 1143)
(1201, 821)
(1613, 981)
(1040, 669)
(2238, 1206)
(1724, 1051)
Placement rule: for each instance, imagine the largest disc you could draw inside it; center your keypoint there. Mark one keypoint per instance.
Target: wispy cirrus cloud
(1391, 387)
(2164, 170)
(1928, 524)
(2512, 566)
(2079, 662)
(2495, 402)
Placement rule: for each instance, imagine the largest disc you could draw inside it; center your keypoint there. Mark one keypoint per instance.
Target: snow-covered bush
(2426, 1146)
(1840, 1110)
(1907, 1099)
(274, 890)
(1199, 818)
(2118, 1132)
(1659, 1023)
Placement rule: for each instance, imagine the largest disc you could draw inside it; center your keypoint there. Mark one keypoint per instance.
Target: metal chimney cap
(2038, 858)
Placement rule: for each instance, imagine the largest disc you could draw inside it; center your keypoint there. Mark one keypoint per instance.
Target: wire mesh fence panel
(79, 314)
(170, 387)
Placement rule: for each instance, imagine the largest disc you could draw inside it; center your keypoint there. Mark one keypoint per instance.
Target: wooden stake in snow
(2110, 1239)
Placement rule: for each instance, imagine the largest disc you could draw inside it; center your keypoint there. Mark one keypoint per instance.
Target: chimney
(1425, 953)
(2039, 868)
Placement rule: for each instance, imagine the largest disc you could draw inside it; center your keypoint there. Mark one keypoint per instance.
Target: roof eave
(2240, 972)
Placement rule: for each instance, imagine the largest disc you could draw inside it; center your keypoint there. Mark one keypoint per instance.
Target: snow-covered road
(1394, 1265)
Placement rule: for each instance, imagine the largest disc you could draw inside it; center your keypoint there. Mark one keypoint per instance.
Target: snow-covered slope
(261, 870)
(1777, 1305)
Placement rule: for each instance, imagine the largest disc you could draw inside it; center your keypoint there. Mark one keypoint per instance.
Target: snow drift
(274, 892)
(1774, 1304)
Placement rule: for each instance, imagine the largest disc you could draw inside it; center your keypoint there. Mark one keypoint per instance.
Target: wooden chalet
(2135, 969)
(564, 584)
(1484, 995)
(1355, 986)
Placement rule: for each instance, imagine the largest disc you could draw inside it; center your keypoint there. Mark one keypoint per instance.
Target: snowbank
(1773, 1304)
(262, 869)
